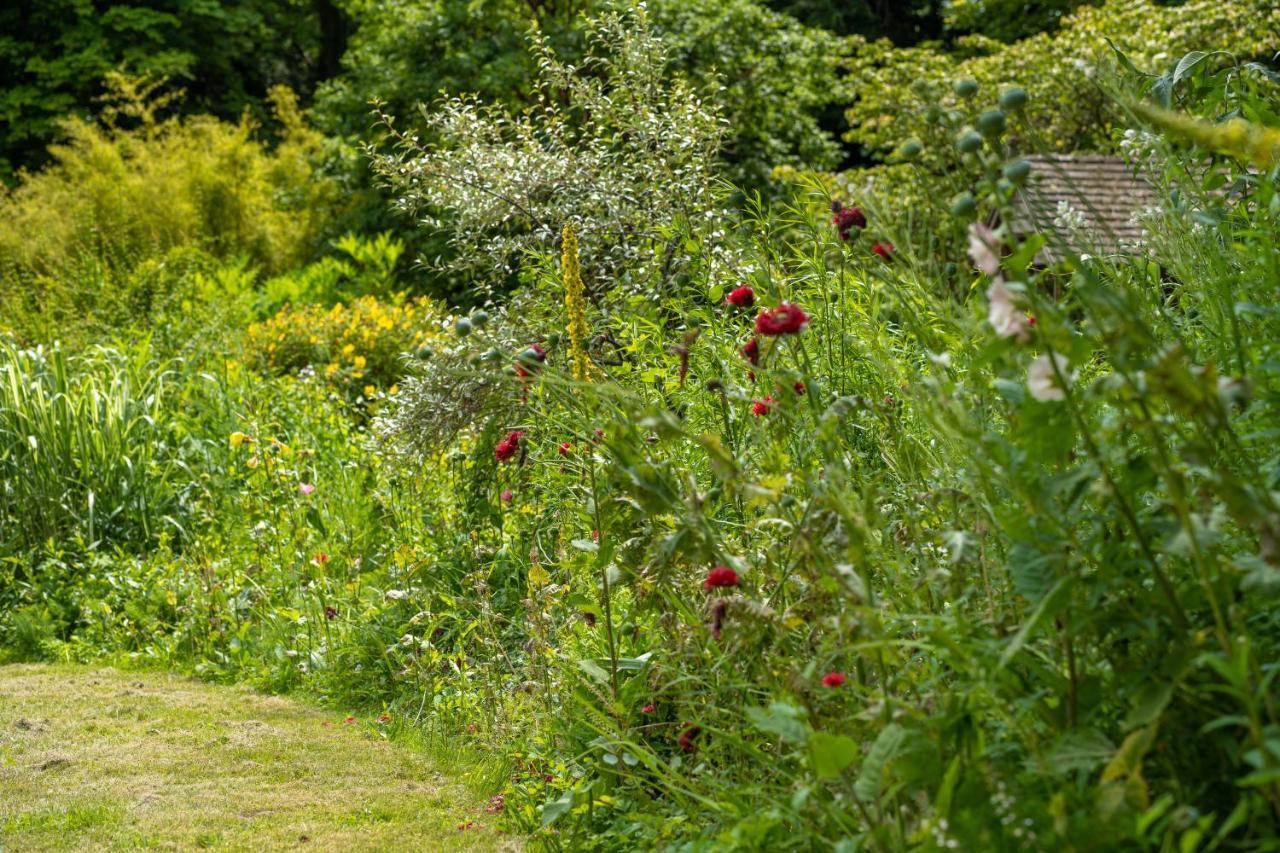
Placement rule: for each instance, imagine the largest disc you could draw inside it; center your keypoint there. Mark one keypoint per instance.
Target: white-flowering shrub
(613, 145)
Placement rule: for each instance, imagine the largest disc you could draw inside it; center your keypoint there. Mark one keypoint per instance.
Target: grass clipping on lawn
(101, 759)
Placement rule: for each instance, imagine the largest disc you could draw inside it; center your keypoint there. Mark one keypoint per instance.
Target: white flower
(1003, 315)
(396, 595)
(983, 246)
(1042, 380)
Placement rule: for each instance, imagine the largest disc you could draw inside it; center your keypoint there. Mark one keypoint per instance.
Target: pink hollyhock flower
(833, 679)
(720, 576)
(306, 488)
(1004, 316)
(741, 297)
(786, 319)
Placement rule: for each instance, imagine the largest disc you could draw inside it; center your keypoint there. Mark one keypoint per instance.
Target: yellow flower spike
(575, 303)
(1236, 137)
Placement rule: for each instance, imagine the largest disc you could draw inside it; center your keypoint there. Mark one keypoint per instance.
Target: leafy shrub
(361, 267)
(117, 198)
(611, 145)
(1067, 111)
(358, 347)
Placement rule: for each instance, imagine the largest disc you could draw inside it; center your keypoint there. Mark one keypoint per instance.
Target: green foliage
(111, 232)
(55, 53)
(1007, 20)
(91, 450)
(1067, 110)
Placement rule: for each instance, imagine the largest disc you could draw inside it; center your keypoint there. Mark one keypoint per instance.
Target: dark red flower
(521, 373)
(330, 612)
(846, 219)
(751, 351)
(786, 319)
(564, 449)
(320, 558)
(741, 297)
(686, 739)
(349, 720)
(718, 611)
(799, 389)
(647, 709)
(884, 250)
(760, 408)
(538, 352)
(384, 718)
(751, 374)
(507, 448)
(835, 678)
(1031, 320)
(720, 576)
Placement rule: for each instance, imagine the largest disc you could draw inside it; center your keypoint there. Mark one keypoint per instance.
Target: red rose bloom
(884, 250)
(741, 297)
(846, 219)
(786, 319)
(507, 448)
(720, 576)
(751, 351)
(834, 678)
(760, 408)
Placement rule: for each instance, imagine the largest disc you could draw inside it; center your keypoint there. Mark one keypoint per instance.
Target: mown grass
(102, 759)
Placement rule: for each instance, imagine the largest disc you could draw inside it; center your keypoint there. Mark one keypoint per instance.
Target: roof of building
(1102, 191)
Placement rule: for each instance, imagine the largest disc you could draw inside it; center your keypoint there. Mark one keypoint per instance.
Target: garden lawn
(97, 758)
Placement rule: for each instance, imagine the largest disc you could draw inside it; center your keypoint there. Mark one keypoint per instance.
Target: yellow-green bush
(357, 347)
(1067, 110)
(132, 189)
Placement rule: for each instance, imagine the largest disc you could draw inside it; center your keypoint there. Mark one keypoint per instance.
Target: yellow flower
(369, 390)
(360, 362)
(239, 438)
(575, 305)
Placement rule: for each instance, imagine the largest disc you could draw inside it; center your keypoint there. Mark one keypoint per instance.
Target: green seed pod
(950, 270)
(964, 204)
(991, 123)
(425, 352)
(628, 629)
(492, 355)
(968, 142)
(933, 115)
(462, 327)
(479, 318)
(966, 88)
(1017, 171)
(1013, 99)
(910, 149)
